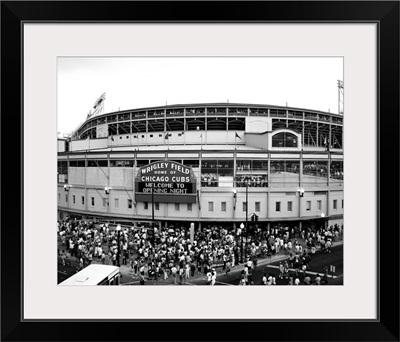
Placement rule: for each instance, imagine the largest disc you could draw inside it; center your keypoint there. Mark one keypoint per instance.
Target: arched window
(284, 139)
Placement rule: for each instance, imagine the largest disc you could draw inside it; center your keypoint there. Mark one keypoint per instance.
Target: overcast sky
(131, 83)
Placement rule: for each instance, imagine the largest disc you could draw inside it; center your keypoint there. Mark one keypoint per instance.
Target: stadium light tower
(340, 96)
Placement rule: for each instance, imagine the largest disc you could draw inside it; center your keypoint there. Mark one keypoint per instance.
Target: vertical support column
(327, 203)
(300, 187)
(302, 133)
(301, 171)
(86, 190)
(287, 117)
(329, 169)
(205, 129)
(247, 213)
(108, 183)
(269, 185)
(234, 168)
(152, 217)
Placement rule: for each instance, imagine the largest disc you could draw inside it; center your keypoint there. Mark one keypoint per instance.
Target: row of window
(92, 201)
(220, 166)
(308, 205)
(257, 205)
(211, 111)
(177, 206)
(151, 135)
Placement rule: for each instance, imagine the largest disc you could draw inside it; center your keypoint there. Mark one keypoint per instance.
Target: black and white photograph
(186, 155)
(200, 171)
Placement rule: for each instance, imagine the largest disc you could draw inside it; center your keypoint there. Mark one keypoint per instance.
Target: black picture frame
(384, 13)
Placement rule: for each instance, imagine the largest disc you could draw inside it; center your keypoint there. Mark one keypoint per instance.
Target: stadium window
(308, 205)
(284, 139)
(189, 207)
(335, 204)
(83, 200)
(142, 162)
(116, 203)
(160, 135)
(77, 163)
(73, 199)
(120, 137)
(92, 201)
(244, 206)
(215, 171)
(257, 207)
(290, 206)
(142, 136)
(319, 203)
(104, 202)
(342, 204)
(176, 206)
(157, 206)
(277, 206)
(151, 135)
(146, 205)
(191, 163)
(129, 204)
(135, 136)
(121, 163)
(97, 163)
(223, 207)
(66, 197)
(59, 197)
(210, 206)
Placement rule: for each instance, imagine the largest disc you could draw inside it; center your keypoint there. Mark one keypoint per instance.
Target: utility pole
(152, 221)
(247, 210)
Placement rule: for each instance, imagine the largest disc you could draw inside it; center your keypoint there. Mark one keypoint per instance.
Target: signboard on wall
(165, 181)
(102, 131)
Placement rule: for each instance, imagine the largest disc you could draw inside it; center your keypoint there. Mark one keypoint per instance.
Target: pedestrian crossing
(308, 272)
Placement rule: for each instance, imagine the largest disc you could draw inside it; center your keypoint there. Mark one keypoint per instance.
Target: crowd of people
(169, 253)
(209, 180)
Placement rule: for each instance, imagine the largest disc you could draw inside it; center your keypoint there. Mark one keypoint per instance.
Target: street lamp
(247, 209)
(241, 242)
(118, 248)
(152, 221)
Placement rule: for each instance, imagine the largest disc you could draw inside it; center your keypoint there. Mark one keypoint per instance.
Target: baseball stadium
(230, 164)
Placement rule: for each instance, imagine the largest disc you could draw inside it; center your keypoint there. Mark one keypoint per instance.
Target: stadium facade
(213, 163)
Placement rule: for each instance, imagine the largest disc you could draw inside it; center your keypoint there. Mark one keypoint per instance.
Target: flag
(166, 136)
(237, 136)
(112, 138)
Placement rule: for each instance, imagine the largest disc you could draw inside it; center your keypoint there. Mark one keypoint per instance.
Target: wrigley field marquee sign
(165, 181)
